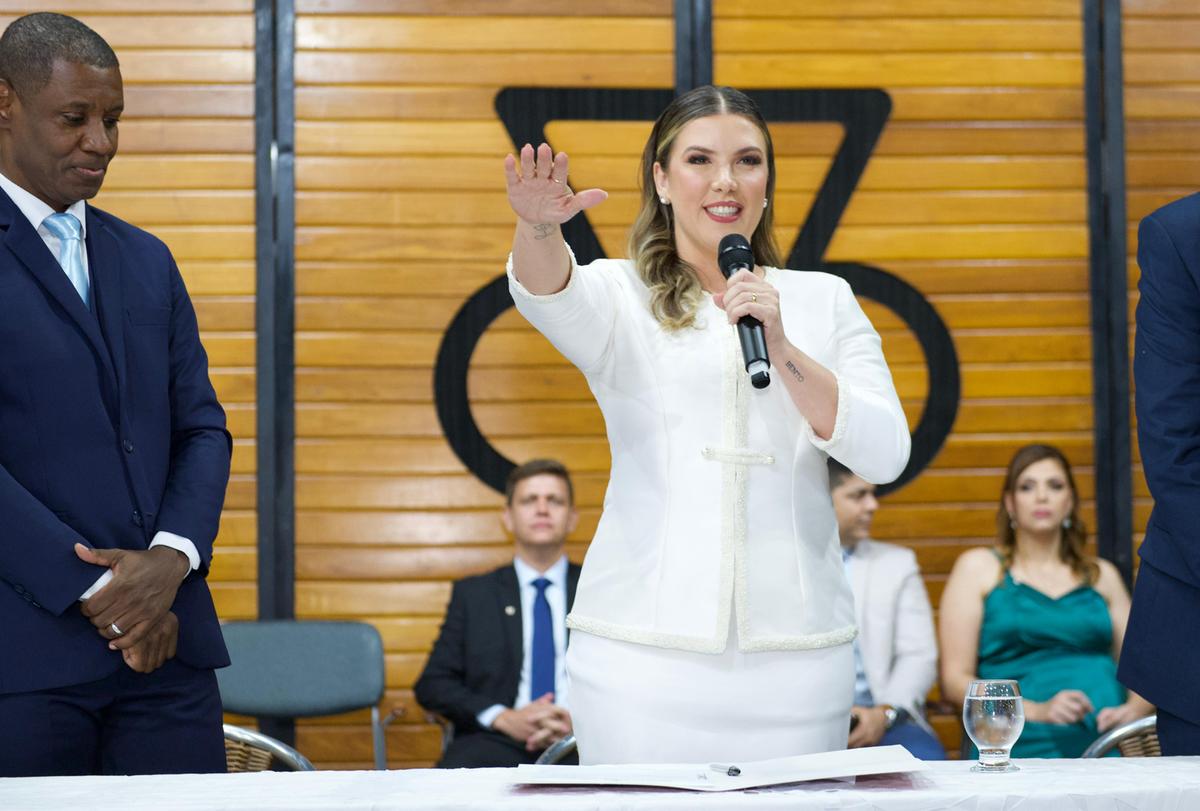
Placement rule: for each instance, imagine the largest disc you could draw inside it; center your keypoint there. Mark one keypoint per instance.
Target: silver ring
(112, 626)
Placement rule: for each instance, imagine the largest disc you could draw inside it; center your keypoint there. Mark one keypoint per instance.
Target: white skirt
(635, 703)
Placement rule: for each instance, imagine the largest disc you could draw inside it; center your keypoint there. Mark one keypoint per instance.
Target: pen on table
(732, 771)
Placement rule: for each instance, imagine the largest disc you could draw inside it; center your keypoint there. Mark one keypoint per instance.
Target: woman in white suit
(712, 620)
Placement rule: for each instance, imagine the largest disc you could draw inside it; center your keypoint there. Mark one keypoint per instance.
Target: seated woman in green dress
(1039, 609)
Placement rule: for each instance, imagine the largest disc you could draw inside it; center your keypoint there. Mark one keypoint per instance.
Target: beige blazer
(895, 625)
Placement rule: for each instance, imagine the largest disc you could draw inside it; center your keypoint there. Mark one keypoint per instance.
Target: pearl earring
(663, 199)
(1066, 522)
(764, 202)
(1012, 522)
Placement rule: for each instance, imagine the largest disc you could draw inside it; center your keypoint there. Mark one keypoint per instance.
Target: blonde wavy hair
(1072, 551)
(675, 291)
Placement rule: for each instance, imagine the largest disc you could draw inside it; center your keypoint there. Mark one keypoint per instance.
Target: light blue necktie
(69, 231)
(542, 662)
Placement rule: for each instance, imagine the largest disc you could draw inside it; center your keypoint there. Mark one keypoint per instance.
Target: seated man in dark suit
(497, 669)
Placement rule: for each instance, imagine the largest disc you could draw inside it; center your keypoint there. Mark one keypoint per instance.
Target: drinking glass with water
(994, 716)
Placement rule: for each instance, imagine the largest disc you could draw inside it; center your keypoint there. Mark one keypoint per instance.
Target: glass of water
(994, 716)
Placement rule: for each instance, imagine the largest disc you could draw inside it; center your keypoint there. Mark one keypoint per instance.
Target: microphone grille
(734, 252)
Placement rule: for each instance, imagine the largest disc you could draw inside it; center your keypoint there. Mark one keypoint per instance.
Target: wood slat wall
(976, 196)
(185, 172)
(1162, 120)
(401, 216)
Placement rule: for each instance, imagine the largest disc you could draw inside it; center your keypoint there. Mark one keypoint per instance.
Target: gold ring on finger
(754, 298)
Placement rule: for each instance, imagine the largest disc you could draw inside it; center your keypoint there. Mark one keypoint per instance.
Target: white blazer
(718, 500)
(895, 625)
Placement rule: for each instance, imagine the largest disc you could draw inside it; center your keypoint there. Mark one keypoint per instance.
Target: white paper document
(730, 776)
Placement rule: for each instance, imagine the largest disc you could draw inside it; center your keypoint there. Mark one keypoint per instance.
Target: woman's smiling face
(716, 181)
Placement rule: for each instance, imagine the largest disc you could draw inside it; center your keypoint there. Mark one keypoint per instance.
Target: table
(1110, 784)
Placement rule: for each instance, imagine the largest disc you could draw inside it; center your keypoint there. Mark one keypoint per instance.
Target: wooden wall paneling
(1162, 108)
(185, 173)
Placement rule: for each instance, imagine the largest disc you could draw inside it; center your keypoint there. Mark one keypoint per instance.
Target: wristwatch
(893, 716)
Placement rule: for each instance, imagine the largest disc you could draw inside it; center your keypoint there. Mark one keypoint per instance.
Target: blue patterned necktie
(541, 678)
(70, 253)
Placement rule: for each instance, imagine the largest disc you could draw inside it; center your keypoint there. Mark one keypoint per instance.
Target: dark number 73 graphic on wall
(863, 113)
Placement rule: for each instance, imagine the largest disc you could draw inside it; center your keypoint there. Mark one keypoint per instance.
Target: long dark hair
(674, 287)
(1074, 534)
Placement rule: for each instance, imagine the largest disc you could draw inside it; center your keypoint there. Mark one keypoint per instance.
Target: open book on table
(730, 776)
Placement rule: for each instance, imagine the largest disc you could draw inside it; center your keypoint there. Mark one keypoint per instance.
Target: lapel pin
(510, 610)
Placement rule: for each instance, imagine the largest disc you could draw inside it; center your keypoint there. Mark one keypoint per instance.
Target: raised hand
(538, 190)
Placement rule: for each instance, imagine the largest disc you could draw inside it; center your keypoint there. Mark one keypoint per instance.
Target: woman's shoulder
(980, 565)
(1109, 582)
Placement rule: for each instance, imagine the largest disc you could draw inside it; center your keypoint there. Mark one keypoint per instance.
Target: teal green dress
(1050, 645)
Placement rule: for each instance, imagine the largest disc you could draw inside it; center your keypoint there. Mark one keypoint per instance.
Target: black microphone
(734, 254)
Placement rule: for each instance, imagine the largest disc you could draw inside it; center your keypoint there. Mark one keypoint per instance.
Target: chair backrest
(250, 751)
(290, 669)
(1136, 739)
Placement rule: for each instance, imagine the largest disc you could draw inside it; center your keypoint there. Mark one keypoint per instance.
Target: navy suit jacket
(476, 661)
(1160, 659)
(109, 431)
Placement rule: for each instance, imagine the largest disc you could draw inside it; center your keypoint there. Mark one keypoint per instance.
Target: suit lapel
(27, 246)
(104, 263)
(508, 603)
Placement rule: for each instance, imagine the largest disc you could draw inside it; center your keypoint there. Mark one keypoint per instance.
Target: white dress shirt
(556, 596)
(36, 211)
(718, 502)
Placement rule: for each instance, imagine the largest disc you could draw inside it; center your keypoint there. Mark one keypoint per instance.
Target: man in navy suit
(1160, 659)
(113, 451)
(496, 672)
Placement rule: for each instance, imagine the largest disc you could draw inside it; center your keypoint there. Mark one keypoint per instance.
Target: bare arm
(542, 200)
(813, 388)
(960, 617)
(1112, 589)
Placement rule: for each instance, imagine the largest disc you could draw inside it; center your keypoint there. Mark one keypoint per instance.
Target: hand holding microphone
(733, 255)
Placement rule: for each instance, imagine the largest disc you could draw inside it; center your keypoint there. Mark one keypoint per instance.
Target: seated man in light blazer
(895, 654)
(497, 669)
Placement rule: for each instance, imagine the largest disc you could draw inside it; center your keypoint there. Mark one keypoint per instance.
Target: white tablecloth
(1112, 784)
